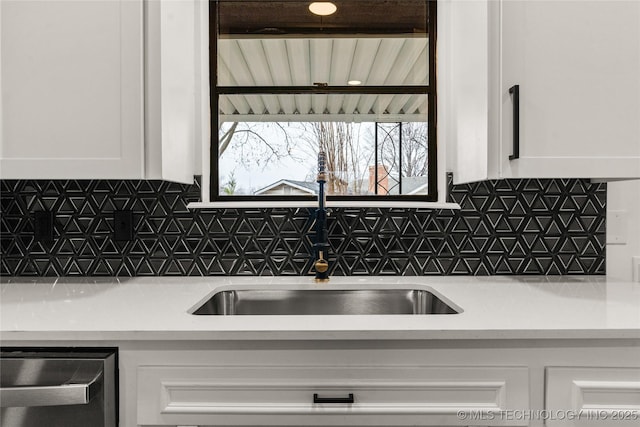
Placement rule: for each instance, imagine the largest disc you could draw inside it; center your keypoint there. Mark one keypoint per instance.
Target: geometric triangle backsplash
(530, 226)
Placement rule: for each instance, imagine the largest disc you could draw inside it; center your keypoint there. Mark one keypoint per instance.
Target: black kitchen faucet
(321, 246)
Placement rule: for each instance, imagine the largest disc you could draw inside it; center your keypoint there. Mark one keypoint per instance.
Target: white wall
(623, 229)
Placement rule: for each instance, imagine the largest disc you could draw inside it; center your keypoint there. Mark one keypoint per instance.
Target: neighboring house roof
(414, 184)
(308, 187)
(419, 190)
(410, 185)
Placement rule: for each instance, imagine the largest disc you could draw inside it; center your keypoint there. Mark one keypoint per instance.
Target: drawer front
(276, 395)
(593, 396)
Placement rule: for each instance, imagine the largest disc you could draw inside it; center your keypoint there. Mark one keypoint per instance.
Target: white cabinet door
(595, 396)
(577, 64)
(72, 89)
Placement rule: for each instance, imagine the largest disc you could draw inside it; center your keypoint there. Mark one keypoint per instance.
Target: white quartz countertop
(493, 307)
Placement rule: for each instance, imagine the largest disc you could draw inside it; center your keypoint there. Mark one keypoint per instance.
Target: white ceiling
(335, 61)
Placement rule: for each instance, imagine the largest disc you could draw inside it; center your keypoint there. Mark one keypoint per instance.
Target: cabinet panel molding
(219, 394)
(609, 396)
(600, 396)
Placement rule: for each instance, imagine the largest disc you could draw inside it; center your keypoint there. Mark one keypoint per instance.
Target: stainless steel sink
(324, 301)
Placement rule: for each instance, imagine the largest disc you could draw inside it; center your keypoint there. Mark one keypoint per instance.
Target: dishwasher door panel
(71, 389)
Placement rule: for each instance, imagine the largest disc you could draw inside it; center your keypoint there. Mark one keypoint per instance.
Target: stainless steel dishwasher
(66, 387)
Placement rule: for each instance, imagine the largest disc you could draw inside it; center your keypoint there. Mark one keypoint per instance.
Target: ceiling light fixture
(354, 82)
(322, 8)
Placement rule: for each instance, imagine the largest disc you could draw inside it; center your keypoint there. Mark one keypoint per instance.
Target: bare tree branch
(226, 138)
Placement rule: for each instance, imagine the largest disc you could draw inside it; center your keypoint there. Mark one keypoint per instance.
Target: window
(358, 84)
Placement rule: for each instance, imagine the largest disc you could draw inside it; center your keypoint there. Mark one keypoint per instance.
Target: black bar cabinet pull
(515, 92)
(348, 399)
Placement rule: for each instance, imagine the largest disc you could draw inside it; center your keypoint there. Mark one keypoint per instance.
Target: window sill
(330, 204)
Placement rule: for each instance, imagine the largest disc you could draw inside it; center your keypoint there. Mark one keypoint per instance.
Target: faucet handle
(321, 265)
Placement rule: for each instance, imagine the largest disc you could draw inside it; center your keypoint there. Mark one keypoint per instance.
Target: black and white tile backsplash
(505, 227)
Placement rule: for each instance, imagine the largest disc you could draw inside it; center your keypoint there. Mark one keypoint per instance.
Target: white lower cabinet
(321, 395)
(393, 383)
(593, 396)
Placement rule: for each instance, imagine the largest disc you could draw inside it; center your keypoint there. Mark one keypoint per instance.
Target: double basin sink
(323, 302)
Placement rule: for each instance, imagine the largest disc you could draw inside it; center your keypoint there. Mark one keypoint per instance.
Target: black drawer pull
(317, 399)
(515, 93)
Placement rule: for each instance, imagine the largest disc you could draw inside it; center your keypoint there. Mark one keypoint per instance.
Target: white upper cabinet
(74, 80)
(72, 88)
(577, 68)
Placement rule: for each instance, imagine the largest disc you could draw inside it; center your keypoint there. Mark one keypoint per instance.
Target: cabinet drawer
(593, 396)
(276, 395)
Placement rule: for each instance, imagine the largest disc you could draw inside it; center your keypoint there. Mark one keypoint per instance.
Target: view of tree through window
(280, 158)
(356, 84)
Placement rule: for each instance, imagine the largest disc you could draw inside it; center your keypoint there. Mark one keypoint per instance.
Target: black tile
(505, 227)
